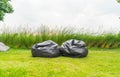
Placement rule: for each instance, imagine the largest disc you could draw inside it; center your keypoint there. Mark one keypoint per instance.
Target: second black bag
(74, 48)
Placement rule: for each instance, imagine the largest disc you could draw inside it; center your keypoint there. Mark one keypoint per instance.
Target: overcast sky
(92, 14)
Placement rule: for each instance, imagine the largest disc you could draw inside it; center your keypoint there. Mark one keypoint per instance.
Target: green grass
(98, 63)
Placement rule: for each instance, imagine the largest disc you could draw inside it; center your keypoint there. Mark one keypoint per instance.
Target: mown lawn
(98, 63)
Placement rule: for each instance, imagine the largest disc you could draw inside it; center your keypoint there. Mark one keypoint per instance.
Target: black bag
(45, 49)
(74, 48)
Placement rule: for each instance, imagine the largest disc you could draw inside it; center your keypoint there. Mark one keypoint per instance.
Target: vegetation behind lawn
(25, 37)
(98, 63)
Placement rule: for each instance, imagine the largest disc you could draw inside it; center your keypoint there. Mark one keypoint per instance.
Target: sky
(95, 15)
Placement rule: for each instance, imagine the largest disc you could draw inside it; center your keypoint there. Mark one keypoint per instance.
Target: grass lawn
(98, 63)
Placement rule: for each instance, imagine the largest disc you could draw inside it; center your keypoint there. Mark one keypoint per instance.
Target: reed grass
(25, 37)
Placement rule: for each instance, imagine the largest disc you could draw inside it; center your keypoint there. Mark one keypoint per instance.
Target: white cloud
(82, 13)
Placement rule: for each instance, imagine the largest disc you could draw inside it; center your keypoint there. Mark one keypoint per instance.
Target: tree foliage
(5, 7)
(118, 1)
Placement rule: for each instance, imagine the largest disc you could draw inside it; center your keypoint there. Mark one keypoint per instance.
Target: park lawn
(98, 63)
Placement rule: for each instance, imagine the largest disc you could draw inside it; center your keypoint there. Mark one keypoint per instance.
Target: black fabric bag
(74, 48)
(45, 49)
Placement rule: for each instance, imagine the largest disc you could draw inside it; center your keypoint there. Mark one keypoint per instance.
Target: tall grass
(25, 38)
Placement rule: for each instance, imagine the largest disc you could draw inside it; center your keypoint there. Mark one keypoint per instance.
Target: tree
(5, 7)
(118, 1)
